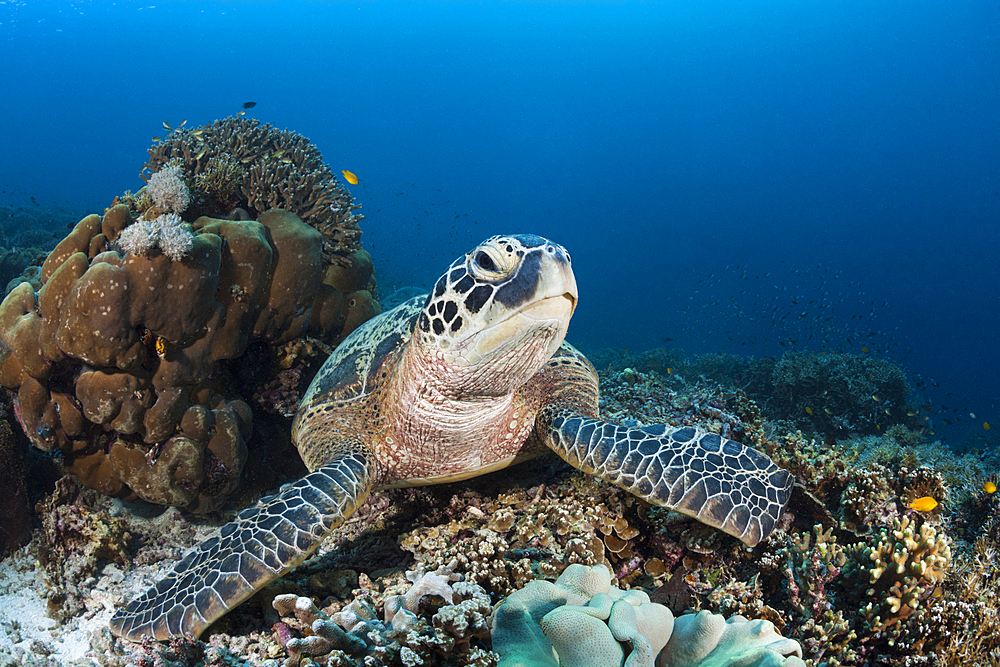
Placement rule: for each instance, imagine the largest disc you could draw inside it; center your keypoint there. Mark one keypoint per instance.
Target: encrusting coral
(74, 539)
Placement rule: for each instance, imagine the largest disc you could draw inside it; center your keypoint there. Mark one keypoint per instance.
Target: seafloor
(854, 574)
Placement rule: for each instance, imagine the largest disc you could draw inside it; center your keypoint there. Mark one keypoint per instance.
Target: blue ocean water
(744, 176)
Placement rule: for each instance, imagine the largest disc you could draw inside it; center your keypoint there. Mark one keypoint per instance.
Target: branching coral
(897, 570)
(242, 163)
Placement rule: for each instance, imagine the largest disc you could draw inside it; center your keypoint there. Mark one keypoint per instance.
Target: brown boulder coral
(116, 359)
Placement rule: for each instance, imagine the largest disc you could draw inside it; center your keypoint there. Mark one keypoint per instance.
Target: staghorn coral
(116, 360)
(239, 162)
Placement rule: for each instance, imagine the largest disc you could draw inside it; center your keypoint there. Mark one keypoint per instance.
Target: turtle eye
(485, 262)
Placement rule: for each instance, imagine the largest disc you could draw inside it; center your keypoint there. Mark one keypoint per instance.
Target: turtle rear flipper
(720, 482)
(261, 544)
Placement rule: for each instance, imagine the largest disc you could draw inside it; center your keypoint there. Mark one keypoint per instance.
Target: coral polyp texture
(116, 359)
(239, 167)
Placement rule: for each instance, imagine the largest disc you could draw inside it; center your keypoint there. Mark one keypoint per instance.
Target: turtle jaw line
(547, 309)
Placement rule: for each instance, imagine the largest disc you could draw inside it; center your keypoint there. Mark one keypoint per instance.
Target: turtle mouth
(549, 308)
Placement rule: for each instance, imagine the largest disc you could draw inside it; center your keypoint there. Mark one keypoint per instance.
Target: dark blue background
(711, 166)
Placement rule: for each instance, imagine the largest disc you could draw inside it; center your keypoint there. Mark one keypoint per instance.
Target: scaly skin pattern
(720, 482)
(261, 544)
(472, 378)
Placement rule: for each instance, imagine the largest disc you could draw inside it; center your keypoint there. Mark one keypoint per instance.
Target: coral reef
(241, 167)
(75, 538)
(582, 620)
(120, 362)
(890, 576)
(15, 510)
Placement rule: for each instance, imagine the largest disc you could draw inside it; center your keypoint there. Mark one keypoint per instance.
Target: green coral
(581, 620)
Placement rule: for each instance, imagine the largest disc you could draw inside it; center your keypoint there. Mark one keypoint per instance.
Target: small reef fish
(249, 105)
(986, 426)
(925, 504)
(809, 410)
(166, 126)
(349, 177)
(990, 487)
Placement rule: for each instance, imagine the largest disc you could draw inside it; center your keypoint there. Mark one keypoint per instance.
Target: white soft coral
(168, 191)
(167, 232)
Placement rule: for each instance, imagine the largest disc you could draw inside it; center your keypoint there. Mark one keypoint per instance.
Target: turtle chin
(525, 340)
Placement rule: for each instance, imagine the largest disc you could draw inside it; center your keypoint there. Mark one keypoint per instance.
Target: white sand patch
(27, 634)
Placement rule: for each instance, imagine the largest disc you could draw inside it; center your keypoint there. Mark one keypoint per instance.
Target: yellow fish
(986, 425)
(925, 504)
(990, 487)
(350, 177)
(876, 398)
(809, 410)
(865, 350)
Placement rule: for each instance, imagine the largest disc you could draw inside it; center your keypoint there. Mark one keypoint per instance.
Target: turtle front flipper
(261, 544)
(720, 482)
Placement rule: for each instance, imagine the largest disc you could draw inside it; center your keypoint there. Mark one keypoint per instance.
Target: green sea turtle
(470, 378)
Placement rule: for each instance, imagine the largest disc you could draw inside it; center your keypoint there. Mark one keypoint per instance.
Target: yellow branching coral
(897, 570)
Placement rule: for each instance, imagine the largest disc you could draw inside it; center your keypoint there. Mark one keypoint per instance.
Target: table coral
(116, 360)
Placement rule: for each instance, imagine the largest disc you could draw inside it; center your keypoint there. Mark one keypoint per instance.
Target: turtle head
(499, 313)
